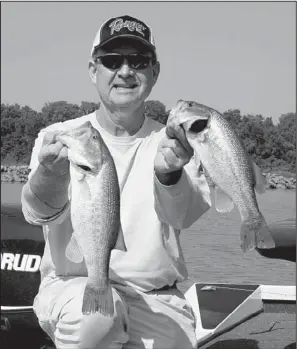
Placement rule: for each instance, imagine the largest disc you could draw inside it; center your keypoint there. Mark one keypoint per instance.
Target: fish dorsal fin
(73, 251)
(120, 243)
(223, 203)
(259, 180)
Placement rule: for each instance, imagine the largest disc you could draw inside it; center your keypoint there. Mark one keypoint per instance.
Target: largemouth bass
(95, 213)
(228, 167)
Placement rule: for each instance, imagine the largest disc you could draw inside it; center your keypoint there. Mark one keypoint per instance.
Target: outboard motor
(22, 246)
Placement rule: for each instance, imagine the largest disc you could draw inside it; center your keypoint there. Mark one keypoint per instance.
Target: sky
(226, 55)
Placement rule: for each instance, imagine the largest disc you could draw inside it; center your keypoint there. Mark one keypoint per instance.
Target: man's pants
(157, 319)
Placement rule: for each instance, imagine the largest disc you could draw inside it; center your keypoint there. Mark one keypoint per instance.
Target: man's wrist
(50, 187)
(169, 178)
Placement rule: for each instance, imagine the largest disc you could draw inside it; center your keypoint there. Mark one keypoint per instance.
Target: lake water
(212, 245)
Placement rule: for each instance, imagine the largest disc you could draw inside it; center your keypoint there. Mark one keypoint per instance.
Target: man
(161, 193)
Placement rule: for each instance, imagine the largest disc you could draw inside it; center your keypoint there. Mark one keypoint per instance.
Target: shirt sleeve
(34, 210)
(181, 204)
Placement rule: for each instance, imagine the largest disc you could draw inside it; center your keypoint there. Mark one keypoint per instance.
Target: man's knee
(97, 330)
(77, 331)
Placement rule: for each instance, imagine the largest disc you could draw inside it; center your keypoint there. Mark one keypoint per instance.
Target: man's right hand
(53, 155)
(50, 181)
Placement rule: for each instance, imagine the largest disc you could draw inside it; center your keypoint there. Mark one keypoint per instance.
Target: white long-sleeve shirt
(152, 214)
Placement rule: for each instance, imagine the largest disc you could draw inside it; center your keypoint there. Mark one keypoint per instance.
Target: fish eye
(95, 137)
(198, 126)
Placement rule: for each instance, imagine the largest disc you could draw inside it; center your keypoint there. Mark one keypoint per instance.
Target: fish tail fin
(247, 237)
(256, 235)
(264, 238)
(96, 301)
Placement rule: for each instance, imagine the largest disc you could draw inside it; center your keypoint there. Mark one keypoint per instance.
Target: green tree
(271, 146)
(156, 110)
(287, 127)
(17, 132)
(233, 116)
(88, 107)
(60, 111)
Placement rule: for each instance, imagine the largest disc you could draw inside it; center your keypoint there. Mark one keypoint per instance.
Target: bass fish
(95, 213)
(227, 166)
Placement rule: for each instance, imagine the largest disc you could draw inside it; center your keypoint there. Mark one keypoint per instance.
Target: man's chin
(126, 101)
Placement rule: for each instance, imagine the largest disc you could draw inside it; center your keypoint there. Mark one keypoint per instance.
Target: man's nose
(125, 69)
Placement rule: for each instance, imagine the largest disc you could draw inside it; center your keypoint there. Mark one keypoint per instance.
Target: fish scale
(95, 213)
(223, 157)
(234, 154)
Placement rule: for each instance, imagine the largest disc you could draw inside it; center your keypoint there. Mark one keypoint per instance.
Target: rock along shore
(16, 173)
(275, 181)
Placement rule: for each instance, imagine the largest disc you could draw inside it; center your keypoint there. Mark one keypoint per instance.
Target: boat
(228, 316)
(22, 246)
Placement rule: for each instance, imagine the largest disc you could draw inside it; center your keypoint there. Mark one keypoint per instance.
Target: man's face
(124, 86)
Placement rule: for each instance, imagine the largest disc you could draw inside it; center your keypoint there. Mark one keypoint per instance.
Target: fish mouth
(84, 168)
(193, 117)
(81, 164)
(195, 126)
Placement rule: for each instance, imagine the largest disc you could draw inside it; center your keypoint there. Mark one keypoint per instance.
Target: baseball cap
(123, 27)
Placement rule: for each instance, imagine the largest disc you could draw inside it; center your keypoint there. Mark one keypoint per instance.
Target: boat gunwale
(267, 293)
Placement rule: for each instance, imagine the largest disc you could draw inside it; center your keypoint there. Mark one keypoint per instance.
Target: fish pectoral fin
(120, 243)
(73, 251)
(198, 161)
(223, 203)
(259, 180)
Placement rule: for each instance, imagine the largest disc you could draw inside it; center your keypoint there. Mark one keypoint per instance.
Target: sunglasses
(135, 61)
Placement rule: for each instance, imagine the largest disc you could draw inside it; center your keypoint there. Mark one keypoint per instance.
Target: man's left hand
(173, 153)
(171, 156)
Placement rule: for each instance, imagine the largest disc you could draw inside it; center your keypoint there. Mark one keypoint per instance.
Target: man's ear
(156, 71)
(93, 71)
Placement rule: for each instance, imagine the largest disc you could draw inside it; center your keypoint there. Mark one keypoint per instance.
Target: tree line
(273, 146)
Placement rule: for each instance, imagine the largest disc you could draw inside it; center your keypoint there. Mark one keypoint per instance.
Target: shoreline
(19, 173)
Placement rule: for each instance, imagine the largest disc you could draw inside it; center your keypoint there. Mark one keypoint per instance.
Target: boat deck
(274, 328)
